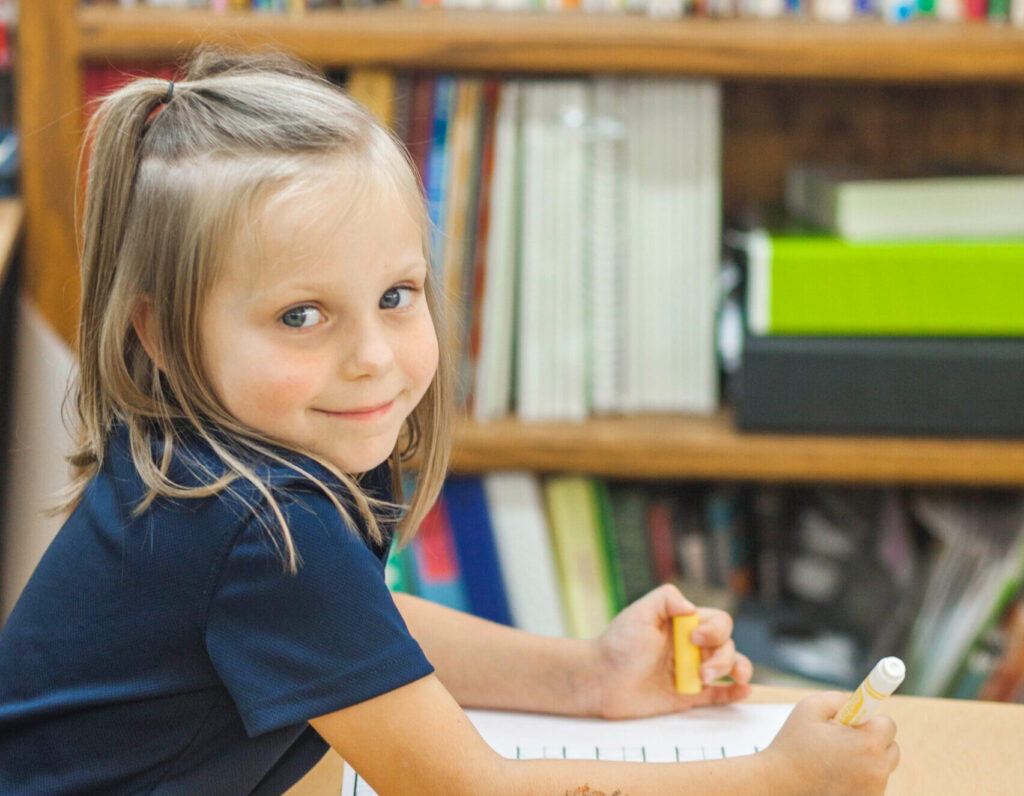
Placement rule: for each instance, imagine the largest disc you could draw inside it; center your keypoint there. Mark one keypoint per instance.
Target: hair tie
(170, 92)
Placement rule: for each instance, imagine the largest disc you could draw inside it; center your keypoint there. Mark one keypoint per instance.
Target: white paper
(698, 734)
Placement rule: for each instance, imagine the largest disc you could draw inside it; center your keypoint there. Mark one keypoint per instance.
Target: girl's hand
(632, 665)
(815, 754)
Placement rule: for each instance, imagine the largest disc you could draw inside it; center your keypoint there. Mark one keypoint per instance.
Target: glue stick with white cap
(880, 682)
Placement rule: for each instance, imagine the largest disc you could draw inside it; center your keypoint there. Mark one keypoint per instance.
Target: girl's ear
(145, 328)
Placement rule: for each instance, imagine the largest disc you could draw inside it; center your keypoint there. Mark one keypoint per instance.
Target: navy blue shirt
(170, 653)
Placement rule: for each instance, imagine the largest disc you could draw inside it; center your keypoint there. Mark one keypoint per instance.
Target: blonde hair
(170, 187)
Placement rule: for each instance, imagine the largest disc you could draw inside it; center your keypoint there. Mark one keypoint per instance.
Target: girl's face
(325, 339)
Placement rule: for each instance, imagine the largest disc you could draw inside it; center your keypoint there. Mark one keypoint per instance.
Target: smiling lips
(369, 413)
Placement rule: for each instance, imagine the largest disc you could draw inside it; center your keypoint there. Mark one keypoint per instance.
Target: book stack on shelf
(838, 11)
(895, 311)
(564, 554)
(820, 580)
(967, 637)
(577, 225)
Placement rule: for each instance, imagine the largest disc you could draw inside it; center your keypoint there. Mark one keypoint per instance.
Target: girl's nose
(368, 351)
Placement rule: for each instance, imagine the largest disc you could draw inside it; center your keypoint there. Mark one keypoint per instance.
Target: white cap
(888, 674)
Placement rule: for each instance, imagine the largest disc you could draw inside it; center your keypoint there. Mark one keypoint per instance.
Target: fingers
(668, 601)
(883, 726)
(714, 636)
(719, 662)
(892, 756)
(715, 628)
(725, 661)
(822, 706)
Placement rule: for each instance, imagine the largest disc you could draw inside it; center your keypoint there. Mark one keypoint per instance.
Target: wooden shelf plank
(572, 42)
(709, 447)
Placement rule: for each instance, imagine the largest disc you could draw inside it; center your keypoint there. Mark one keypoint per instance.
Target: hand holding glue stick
(880, 683)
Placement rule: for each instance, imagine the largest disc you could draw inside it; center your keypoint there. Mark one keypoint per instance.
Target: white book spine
(666, 9)
(763, 9)
(684, 243)
(528, 385)
(606, 270)
(631, 286)
(573, 113)
(524, 551)
(705, 378)
(759, 280)
(1017, 13)
(832, 10)
(547, 262)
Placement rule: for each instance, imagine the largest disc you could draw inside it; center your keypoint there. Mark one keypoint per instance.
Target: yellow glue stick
(687, 655)
(880, 683)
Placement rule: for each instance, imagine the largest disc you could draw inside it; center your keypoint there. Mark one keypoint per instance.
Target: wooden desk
(949, 747)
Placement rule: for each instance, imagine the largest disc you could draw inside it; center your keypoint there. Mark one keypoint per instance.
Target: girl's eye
(301, 317)
(396, 298)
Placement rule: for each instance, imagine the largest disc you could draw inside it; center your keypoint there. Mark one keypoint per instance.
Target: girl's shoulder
(201, 470)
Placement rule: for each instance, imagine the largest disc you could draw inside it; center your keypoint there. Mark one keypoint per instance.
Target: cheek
(421, 364)
(258, 381)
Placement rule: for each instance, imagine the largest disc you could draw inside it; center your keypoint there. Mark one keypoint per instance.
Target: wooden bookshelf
(694, 447)
(792, 89)
(573, 42)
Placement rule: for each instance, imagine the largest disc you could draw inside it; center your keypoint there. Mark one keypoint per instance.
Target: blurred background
(737, 296)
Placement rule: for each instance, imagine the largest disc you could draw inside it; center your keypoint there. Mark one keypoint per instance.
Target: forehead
(339, 214)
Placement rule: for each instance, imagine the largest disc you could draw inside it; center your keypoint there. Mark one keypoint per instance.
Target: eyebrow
(411, 265)
(401, 268)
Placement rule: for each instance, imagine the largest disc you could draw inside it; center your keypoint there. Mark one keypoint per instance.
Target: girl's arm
(416, 739)
(627, 671)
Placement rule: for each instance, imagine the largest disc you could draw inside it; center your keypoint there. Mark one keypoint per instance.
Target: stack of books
(893, 309)
(821, 580)
(577, 235)
(562, 555)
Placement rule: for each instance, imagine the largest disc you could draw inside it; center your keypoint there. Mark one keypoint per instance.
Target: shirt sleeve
(289, 648)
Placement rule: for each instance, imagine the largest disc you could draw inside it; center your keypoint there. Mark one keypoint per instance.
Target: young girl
(258, 356)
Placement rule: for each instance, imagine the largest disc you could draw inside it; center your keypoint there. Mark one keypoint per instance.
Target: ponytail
(114, 133)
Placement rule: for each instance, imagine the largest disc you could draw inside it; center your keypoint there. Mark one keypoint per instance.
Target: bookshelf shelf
(796, 89)
(692, 447)
(573, 42)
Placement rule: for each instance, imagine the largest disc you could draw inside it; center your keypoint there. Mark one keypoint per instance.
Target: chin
(360, 463)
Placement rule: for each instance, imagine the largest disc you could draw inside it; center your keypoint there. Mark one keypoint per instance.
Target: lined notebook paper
(699, 734)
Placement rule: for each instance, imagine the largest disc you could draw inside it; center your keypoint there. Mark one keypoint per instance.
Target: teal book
(398, 570)
(812, 284)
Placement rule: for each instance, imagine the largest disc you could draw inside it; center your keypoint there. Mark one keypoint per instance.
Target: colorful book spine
(660, 516)
(436, 178)
(473, 534)
(437, 573)
(575, 529)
